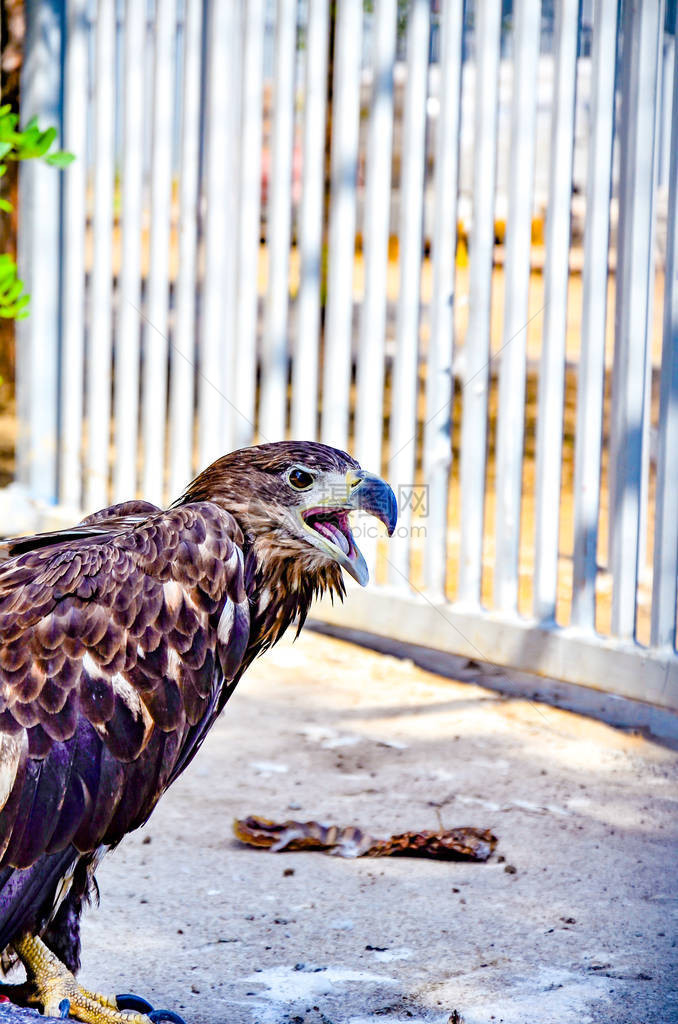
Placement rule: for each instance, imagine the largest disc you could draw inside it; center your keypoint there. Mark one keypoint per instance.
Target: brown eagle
(120, 642)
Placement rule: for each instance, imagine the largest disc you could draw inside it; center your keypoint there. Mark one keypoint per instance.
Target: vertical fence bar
(552, 366)
(231, 407)
(477, 344)
(629, 100)
(128, 322)
(73, 257)
(589, 428)
(663, 630)
(440, 374)
(274, 351)
(345, 134)
(639, 67)
(156, 325)
(182, 380)
(99, 356)
(307, 345)
(667, 111)
(39, 245)
(220, 34)
(643, 565)
(512, 366)
(370, 357)
(250, 224)
(403, 435)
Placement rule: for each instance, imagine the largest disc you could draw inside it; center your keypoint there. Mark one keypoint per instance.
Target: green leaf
(12, 292)
(45, 139)
(29, 143)
(61, 158)
(35, 143)
(8, 122)
(13, 304)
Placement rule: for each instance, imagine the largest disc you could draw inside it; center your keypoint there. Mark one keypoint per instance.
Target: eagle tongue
(330, 530)
(340, 539)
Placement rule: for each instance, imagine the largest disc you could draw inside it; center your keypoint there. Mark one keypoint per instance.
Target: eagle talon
(53, 987)
(131, 1001)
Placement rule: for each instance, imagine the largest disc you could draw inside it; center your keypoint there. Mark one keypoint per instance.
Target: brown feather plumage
(120, 641)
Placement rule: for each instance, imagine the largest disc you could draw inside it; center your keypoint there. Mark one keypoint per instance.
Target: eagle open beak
(365, 492)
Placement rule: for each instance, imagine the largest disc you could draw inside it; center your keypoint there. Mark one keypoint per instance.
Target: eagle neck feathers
(281, 589)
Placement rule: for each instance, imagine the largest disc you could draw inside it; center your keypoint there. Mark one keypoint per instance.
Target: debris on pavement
(466, 843)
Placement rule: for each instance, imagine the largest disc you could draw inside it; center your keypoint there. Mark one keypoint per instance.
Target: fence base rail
(568, 654)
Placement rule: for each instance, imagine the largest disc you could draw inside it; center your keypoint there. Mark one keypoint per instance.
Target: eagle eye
(300, 479)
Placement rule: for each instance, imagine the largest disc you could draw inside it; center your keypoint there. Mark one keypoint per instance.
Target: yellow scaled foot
(52, 983)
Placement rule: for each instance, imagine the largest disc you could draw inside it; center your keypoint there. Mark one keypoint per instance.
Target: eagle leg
(54, 987)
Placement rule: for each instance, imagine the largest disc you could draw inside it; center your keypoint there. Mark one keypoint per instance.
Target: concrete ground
(574, 919)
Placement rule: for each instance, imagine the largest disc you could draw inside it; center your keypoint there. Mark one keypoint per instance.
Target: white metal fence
(263, 235)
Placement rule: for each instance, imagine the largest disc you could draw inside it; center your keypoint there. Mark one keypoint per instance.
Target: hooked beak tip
(369, 493)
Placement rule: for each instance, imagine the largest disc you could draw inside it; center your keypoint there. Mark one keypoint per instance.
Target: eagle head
(292, 500)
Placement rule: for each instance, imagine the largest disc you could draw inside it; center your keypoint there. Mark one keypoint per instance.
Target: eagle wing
(107, 520)
(116, 639)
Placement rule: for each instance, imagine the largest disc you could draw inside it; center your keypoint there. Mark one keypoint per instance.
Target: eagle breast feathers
(114, 644)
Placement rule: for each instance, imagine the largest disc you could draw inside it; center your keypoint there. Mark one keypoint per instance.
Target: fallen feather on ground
(445, 844)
